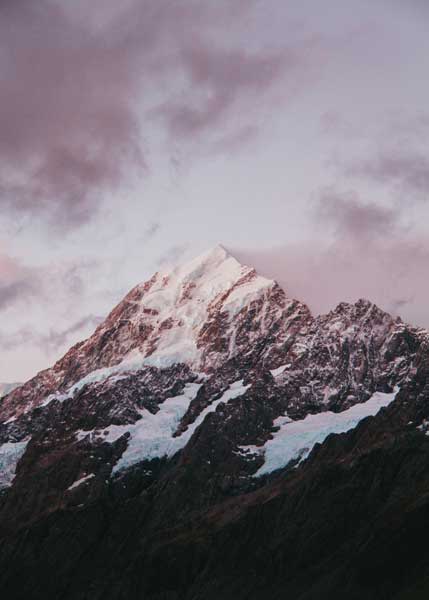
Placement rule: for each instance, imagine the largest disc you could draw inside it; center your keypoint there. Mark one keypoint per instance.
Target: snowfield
(295, 439)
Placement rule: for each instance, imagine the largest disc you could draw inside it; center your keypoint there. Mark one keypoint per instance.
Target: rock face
(141, 464)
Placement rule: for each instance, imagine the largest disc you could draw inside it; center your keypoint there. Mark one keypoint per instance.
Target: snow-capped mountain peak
(200, 314)
(213, 278)
(174, 308)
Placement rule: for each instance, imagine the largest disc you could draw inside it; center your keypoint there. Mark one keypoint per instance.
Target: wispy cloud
(69, 130)
(17, 282)
(350, 217)
(21, 284)
(77, 95)
(51, 342)
(216, 78)
(394, 157)
(404, 170)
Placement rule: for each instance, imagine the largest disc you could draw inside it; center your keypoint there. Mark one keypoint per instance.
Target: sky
(136, 135)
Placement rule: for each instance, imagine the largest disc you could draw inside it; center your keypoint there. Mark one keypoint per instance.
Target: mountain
(214, 439)
(202, 315)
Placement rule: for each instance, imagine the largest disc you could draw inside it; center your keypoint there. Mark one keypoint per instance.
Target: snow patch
(11, 420)
(80, 481)
(235, 390)
(10, 455)
(279, 370)
(243, 295)
(81, 434)
(295, 439)
(152, 436)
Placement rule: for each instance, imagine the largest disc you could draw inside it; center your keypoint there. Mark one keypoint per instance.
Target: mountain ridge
(264, 396)
(50, 379)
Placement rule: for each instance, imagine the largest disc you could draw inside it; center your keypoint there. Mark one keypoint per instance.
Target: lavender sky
(135, 136)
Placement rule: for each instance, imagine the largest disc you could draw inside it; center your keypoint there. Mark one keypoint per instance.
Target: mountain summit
(211, 415)
(201, 314)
